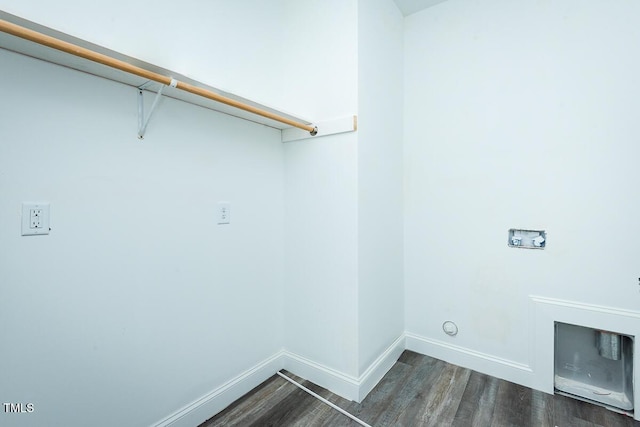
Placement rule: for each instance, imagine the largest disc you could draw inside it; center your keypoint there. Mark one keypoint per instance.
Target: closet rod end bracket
(314, 132)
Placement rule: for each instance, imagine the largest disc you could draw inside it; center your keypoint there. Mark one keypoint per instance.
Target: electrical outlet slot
(35, 219)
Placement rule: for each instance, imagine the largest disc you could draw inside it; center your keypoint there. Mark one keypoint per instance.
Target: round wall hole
(450, 328)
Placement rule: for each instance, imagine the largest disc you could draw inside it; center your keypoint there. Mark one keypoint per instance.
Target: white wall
(299, 56)
(321, 268)
(343, 264)
(137, 303)
(321, 188)
(303, 57)
(204, 40)
(515, 115)
(319, 48)
(380, 205)
(518, 115)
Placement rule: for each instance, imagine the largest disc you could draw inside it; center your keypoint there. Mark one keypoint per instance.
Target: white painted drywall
(301, 57)
(343, 227)
(137, 303)
(407, 7)
(380, 185)
(321, 271)
(519, 114)
(319, 58)
(321, 188)
(516, 115)
(230, 45)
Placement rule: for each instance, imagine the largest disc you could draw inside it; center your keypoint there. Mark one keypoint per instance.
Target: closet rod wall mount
(142, 121)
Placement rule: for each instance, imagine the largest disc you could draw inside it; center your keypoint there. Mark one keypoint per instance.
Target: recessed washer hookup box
(527, 239)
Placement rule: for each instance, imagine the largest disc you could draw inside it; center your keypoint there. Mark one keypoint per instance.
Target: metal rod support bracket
(142, 121)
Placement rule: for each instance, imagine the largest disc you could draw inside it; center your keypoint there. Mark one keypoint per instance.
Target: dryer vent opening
(594, 365)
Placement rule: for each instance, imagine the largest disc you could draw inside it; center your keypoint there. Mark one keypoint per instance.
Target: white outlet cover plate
(224, 212)
(27, 230)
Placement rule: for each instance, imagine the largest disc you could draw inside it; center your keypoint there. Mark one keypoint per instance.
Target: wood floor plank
(410, 396)
(381, 398)
(576, 412)
(324, 414)
(478, 402)
(251, 406)
(289, 411)
(542, 409)
(411, 358)
(444, 397)
(417, 391)
(513, 406)
(327, 415)
(614, 419)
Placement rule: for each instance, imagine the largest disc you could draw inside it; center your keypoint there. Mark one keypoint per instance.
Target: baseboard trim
(380, 367)
(335, 381)
(487, 364)
(205, 407)
(346, 386)
(349, 387)
(357, 388)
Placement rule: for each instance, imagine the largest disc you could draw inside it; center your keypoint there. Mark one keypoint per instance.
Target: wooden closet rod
(54, 43)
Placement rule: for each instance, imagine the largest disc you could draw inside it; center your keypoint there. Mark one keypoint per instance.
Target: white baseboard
(349, 387)
(539, 372)
(346, 386)
(380, 367)
(334, 381)
(487, 364)
(210, 404)
(537, 375)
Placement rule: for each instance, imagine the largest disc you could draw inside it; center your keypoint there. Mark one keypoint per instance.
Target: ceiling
(407, 7)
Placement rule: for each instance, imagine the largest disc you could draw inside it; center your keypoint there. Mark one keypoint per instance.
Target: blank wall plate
(224, 212)
(35, 219)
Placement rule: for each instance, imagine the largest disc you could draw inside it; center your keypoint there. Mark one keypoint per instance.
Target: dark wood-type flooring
(417, 391)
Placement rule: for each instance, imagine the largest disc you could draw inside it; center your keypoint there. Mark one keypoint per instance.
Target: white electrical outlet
(224, 212)
(35, 219)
